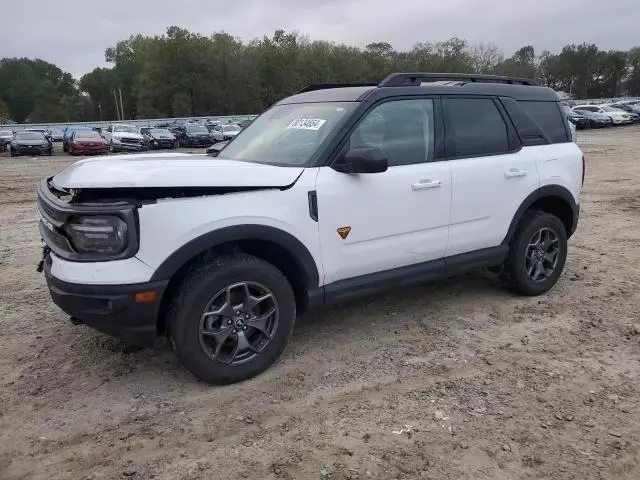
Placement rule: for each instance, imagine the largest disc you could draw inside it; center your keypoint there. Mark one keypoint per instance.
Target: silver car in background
(222, 133)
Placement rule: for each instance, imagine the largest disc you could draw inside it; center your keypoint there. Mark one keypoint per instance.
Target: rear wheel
(232, 318)
(537, 254)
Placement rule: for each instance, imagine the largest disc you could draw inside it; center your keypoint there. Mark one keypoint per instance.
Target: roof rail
(413, 79)
(324, 86)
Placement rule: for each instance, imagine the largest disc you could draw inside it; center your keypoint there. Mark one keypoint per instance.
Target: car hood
(126, 135)
(171, 170)
(163, 136)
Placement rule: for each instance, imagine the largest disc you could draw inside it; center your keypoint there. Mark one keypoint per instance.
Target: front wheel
(232, 318)
(537, 254)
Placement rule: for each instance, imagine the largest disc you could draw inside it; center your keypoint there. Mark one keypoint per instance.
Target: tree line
(182, 73)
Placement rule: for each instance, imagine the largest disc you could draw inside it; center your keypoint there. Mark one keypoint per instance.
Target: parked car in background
(159, 137)
(5, 139)
(211, 124)
(68, 132)
(195, 135)
(598, 120)
(56, 134)
(122, 137)
(617, 116)
(631, 109)
(84, 142)
(577, 119)
(30, 143)
(225, 132)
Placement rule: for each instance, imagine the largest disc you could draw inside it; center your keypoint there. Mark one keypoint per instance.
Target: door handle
(515, 172)
(426, 183)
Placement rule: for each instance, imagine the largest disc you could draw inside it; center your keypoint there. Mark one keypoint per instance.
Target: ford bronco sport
(335, 192)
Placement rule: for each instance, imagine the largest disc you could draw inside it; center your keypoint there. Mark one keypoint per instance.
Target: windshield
(160, 131)
(287, 135)
(231, 128)
(5, 133)
(125, 129)
(87, 134)
(196, 129)
(55, 131)
(29, 136)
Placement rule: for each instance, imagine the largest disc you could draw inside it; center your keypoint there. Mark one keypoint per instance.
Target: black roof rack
(324, 86)
(413, 79)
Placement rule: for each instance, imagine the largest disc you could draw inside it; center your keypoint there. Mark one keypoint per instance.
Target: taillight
(584, 166)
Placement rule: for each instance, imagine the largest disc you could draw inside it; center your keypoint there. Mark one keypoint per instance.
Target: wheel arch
(553, 199)
(271, 244)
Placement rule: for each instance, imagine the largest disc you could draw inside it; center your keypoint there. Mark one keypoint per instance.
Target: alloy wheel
(238, 323)
(542, 254)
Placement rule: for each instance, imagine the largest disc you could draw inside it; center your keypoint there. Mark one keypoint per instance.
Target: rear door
(491, 173)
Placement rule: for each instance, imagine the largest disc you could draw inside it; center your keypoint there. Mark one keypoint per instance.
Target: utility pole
(117, 109)
(121, 107)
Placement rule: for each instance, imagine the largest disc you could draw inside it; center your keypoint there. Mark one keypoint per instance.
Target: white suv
(617, 116)
(333, 193)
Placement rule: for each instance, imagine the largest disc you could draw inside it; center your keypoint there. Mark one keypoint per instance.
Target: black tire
(195, 294)
(515, 274)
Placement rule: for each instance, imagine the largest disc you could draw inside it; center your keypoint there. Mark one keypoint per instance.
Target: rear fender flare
(546, 191)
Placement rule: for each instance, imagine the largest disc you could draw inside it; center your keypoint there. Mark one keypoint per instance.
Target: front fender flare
(209, 240)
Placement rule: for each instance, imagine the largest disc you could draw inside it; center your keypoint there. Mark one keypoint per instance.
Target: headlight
(97, 234)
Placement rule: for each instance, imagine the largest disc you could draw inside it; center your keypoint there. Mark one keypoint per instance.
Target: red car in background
(87, 142)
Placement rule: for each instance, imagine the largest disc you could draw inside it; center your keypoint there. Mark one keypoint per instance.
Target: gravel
(421, 357)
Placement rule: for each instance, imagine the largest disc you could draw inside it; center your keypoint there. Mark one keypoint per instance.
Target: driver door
(370, 223)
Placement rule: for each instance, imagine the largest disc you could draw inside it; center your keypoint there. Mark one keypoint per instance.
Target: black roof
(407, 84)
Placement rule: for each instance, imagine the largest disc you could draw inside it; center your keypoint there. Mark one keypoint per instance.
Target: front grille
(130, 140)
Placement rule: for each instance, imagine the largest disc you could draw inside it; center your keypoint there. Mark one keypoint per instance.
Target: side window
(476, 126)
(109, 129)
(402, 129)
(548, 116)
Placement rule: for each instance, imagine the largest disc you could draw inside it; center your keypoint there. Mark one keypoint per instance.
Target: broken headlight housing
(97, 234)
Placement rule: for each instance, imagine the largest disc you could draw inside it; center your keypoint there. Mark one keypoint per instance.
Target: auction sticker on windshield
(307, 124)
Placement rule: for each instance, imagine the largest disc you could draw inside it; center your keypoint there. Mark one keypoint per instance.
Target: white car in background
(618, 117)
(124, 138)
(222, 133)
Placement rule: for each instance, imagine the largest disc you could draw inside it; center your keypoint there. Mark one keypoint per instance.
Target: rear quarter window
(548, 116)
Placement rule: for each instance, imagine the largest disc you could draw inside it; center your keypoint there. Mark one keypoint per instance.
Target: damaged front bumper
(127, 312)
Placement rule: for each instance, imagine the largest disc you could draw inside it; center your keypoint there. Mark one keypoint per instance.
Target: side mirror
(365, 159)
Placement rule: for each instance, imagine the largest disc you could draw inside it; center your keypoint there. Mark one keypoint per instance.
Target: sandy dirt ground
(454, 380)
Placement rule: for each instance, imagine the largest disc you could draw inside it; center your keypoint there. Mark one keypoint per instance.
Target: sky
(74, 34)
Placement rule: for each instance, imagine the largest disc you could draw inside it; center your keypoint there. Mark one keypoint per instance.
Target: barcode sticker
(307, 124)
